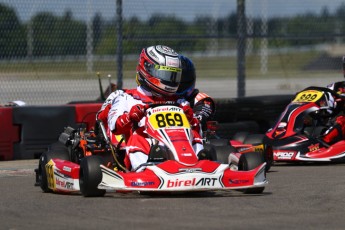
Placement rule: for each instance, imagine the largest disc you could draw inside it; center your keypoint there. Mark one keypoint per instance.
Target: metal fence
(51, 51)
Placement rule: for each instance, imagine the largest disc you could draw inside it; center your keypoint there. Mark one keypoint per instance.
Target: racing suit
(138, 145)
(203, 106)
(337, 130)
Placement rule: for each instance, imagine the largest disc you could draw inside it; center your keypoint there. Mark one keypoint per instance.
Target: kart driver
(336, 132)
(203, 105)
(158, 78)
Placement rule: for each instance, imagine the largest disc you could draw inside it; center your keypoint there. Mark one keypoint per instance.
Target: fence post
(119, 49)
(241, 52)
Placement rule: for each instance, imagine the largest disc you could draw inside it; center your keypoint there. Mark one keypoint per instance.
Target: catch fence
(51, 51)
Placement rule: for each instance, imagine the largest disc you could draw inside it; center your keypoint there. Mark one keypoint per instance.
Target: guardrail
(28, 131)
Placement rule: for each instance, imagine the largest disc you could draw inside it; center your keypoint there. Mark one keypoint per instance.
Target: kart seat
(315, 131)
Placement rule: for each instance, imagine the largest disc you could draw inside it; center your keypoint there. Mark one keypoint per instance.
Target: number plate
(308, 96)
(167, 117)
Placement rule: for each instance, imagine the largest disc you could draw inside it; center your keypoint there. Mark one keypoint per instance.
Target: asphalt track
(297, 197)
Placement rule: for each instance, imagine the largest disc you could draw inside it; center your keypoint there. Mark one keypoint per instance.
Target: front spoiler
(155, 179)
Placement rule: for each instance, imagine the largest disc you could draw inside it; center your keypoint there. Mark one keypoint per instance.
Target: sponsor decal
(166, 50)
(67, 169)
(153, 55)
(284, 155)
(161, 109)
(242, 149)
(190, 170)
(236, 181)
(142, 183)
(63, 184)
(175, 109)
(169, 88)
(187, 154)
(166, 108)
(205, 181)
(314, 147)
(174, 62)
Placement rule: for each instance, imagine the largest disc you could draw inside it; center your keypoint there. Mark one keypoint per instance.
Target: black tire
(58, 146)
(249, 161)
(223, 153)
(240, 136)
(90, 175)
(254, 139)
(44, 159)
(268, 156)
(219, 142)
(209, 153)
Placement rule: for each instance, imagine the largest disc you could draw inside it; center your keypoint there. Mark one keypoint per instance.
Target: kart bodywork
(297, 135)
(92, 165)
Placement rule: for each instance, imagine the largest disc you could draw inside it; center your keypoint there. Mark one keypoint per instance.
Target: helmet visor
(165, 73)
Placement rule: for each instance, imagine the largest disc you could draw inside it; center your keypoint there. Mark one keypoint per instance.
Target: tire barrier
(39, 127)
(27, 131)
(9, 134)
(264, 110)
(229, 129)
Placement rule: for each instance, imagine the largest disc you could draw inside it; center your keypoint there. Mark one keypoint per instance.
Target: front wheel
(249, 161)
(44, 159)
(90, 175)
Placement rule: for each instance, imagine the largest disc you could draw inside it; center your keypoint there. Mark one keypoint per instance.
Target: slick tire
(254, 139)
(240, 136)
(58, 146)
(223, 153)
(208, 153)
(259, 139)
(249, 161)
(90, 175)
(219, 142)
(44, 159)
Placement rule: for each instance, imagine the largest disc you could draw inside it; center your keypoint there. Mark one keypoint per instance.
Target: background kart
(240, 143)
(297, 135)
(90, 164)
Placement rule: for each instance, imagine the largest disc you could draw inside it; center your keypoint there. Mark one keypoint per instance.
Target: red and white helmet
(159, 70)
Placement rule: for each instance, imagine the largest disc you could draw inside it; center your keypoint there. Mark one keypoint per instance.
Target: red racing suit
(336, 132)
(138, 145)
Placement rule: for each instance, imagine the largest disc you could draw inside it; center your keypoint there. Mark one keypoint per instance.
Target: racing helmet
(159, 70)
(188, 77)
(327, 106)
(338, 87)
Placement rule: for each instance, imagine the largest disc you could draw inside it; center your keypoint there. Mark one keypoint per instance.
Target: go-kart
(297, 135)
(89, 163)
(242, 142)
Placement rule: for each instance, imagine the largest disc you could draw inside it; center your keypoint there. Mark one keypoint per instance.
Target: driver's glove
(137, 112)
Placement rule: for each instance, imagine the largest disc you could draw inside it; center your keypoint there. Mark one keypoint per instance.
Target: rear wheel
(240, 136)
(219, 142)
(90, 175)
(249, 161)
(59, 153)
(254, 139)
(223, 153)
(58, 146)
(209, 153)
